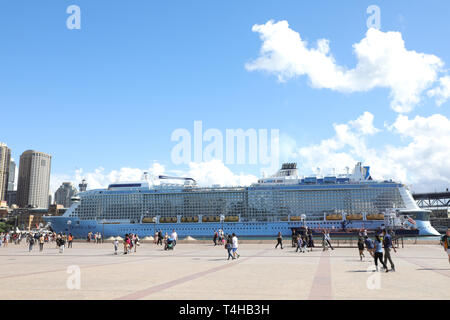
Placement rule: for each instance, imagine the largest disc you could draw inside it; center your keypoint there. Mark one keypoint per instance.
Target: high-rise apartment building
(34, 179)
(12, 176)
(5, 158)
(65, 193)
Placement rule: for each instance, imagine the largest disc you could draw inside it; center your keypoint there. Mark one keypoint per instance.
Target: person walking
(361, 248)
(219, 236)
(387, 244)
(299, 244)
(125, 244)
(215, 238)
(229, 248)
(279, 240)
(304, 243)
(7, 237)
(310, 241)
(369, 245)
(61, 242)
(324, 241)
(328, 239)
(136, 242)
(41, 243)
(445, 242)
(30, 242)
(235, 245)
(155, 240)
(160, 238)
(69, 241)
(174, 236)
(130, 242)
(379, 253)
(116, 246)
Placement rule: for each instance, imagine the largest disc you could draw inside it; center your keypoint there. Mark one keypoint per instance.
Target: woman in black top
(279, 240)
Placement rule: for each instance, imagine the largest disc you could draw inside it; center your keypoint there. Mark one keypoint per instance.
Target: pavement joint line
(86, 266)
(445, 273)
(163, 286)
(60, 270)
(321, 286)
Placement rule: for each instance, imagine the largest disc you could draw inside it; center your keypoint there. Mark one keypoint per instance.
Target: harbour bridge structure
(439, 205)
(433, 200)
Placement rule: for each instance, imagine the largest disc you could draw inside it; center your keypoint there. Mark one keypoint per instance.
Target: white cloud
(442, 92)
(56, 180)
(205, 173)
(215, 172)
(421, 161)
(382, 61)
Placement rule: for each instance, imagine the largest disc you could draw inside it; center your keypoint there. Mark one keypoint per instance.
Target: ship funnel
(287, 170)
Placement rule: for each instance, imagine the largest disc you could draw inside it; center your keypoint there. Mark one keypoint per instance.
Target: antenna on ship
(145, 176)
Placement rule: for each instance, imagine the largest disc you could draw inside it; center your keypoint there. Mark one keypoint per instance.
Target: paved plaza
(201, 271)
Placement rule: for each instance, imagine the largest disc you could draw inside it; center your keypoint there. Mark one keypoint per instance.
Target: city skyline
(115, 90)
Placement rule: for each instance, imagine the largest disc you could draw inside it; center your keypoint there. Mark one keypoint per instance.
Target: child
(304, 244)
(299, 244)
(116, 246)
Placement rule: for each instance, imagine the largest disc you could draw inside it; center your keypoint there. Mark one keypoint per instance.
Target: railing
(352, 241)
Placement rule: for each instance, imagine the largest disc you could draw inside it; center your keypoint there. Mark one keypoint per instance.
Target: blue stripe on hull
(80, 228)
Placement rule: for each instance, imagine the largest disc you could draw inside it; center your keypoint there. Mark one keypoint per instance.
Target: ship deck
(201, 271)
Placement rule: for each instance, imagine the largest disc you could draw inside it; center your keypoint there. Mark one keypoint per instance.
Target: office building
(5, 158)
(34, 179)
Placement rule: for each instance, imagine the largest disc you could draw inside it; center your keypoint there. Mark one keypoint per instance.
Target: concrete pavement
(201, 271)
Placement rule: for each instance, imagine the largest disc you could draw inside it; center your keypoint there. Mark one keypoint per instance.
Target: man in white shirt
(174, 236)
(235, 245)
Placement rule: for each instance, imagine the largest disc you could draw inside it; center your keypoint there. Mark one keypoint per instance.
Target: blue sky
(110, 95)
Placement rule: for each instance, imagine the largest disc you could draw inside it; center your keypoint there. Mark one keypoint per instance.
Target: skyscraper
(64, 194)
(12, 176)
(34, 179)
(5, 158)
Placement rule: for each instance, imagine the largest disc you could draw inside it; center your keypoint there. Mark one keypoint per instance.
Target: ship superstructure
(273, 204)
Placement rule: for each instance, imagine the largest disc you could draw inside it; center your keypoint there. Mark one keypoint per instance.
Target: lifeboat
(284, 218)
(189, 219)
(334, 217)
(296, 218)
(356, 216)
(375, 216)
(148, 220)
(168, 220)
(210, 219)
(231, 218)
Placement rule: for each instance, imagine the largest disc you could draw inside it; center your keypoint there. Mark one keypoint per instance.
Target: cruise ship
(279, 203)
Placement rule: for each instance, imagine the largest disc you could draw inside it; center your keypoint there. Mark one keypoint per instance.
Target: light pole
(222, 217)
(68, 224)
(303, 217)
(103, 229)
(154, 226)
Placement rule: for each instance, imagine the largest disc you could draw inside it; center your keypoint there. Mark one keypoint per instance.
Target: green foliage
(3, 227)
